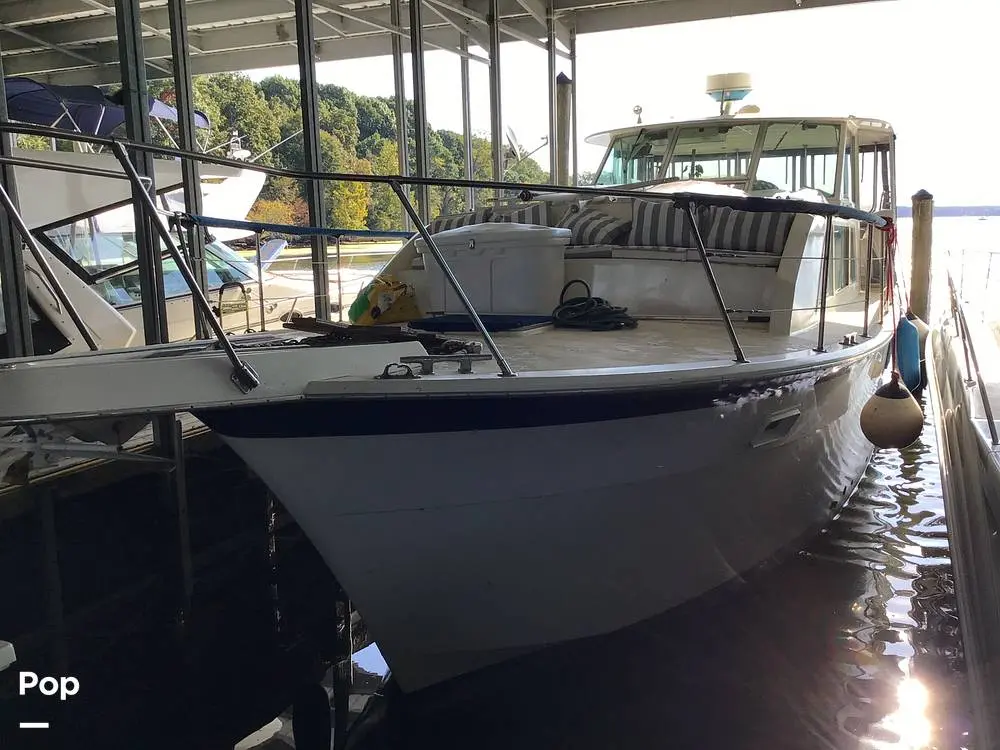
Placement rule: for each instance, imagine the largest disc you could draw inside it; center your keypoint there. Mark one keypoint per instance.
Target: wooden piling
(564, 99)
(920, 254)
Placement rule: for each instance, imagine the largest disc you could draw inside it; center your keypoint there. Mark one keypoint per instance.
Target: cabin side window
(873, 165)
(843, 258)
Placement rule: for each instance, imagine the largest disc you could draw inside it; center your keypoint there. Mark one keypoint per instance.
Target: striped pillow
(660, 224)
(454, 221)
(589, 226)
(533, 213)
(756, 232)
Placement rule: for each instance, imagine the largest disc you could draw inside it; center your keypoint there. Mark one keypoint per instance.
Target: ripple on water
(895, 524)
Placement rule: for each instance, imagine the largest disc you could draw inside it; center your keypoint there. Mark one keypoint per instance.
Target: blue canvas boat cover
(86, 109)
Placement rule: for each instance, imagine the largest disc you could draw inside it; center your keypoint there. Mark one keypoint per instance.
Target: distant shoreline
(951, 211)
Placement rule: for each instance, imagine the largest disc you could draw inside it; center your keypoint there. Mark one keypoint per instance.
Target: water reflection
(853, 643)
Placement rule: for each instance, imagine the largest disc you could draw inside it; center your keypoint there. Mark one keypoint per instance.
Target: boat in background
(87, 221)
(963, 369)
(561, 467)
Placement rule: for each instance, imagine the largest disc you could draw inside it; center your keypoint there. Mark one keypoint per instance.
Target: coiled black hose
(590, 313)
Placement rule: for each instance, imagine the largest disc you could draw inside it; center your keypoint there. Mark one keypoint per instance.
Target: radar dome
(726, 88)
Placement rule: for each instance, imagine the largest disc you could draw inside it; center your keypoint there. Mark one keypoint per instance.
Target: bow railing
(243, 375)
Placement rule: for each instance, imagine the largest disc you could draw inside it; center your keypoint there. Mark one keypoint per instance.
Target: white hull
(462, 548)
(970, 474)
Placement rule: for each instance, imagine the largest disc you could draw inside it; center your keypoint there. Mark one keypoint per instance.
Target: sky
(923, 65)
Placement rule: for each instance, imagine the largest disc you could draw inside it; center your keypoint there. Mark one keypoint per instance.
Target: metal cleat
(427, 361)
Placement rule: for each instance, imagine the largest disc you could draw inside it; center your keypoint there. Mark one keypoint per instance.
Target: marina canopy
(71, 42)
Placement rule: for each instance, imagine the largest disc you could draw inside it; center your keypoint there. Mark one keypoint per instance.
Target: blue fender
(908, 353)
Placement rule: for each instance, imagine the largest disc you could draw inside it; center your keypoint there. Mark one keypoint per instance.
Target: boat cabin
(513, 258)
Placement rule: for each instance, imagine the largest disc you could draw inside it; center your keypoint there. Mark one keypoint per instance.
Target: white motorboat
(963, 369)
(87, 220)
(564, 481)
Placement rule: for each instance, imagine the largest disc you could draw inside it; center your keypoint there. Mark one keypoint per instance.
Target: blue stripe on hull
(455, 413)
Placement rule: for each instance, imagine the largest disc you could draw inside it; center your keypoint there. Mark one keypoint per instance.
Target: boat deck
(659, 342)
(654, 342)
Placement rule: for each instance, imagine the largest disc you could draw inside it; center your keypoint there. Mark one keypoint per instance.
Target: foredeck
(665, 342)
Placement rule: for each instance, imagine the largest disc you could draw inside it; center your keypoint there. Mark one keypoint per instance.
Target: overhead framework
(75, 41)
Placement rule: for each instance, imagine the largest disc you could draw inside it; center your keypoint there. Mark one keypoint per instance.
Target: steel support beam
(543, 13)
(136, 102)
(550, 24)
(399, 83)
(422, 162)
(470, 193)
(523, 29)
(496, 116)
(190, 169)
(306, 40)
(13, 290)
(150, 265)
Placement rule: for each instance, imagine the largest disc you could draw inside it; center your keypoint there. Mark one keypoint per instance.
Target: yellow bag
(384, 300)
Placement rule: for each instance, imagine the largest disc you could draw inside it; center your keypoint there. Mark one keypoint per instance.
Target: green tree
(347, 202)
(33, 143)
(272, 212)
(375, 117)
(243, 108)
(385, 211)
(526, 169)
(281, 89)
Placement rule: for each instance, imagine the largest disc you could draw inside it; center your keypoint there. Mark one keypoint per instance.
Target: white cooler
(504, 268)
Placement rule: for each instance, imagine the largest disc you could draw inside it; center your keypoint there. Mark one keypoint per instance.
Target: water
(852, 643)
(970, 247)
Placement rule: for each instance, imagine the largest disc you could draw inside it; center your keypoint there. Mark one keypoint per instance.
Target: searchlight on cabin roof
(726, 88)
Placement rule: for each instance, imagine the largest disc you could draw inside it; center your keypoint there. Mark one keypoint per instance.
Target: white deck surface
(658, 342)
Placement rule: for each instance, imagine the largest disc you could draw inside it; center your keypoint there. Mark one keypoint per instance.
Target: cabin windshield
(792, 155)
(798, 155)
(635, 157)
(713, 152)
(108, 261)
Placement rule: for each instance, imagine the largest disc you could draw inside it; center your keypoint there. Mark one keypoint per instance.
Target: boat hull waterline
(471, 529)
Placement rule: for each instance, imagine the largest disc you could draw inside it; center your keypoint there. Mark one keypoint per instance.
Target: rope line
(589, 312)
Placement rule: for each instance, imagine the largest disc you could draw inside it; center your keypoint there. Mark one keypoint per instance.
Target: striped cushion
(533, 213)
(660, 224)
(727, 228)
(454, 221)
(613, 206)
(590, 226)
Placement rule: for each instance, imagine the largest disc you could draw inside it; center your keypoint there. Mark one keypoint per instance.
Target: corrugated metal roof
(75, 41)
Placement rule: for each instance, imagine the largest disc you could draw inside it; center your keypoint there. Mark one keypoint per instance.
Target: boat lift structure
(130, 42)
